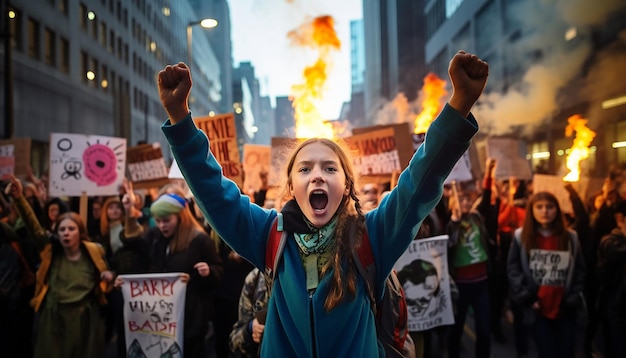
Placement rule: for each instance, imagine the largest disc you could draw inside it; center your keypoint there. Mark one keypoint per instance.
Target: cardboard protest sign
(154, 313)
(461, 170)
(7, 161)
(423, 273)
(146, 167)
(222, 134)
(21, 156)
(89, 164)
(379, 151)
(585, 187)
(256, 163)
(510, 156)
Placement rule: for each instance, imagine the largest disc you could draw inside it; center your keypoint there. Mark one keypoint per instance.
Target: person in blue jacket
(319, 305)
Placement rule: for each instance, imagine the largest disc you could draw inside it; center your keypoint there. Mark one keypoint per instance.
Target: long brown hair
(350, 225)
(531, 226)
(104, 217)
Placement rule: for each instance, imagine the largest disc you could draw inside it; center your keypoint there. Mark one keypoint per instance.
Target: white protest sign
(154, 313)
(555, 185)
(461, 171)
(549, 267)
(510, 156)
(423, 273)
(89, 164)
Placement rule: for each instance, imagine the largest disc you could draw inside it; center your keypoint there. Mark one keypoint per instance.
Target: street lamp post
(207, 24)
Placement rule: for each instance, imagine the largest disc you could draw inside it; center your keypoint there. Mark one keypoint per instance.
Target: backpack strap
(275, 245)
(364, 259)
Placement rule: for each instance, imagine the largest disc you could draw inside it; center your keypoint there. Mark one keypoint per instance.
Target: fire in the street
(320, 35)
(433, 91)
(580, 148)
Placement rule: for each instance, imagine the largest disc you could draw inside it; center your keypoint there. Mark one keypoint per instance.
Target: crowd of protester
(42, 292)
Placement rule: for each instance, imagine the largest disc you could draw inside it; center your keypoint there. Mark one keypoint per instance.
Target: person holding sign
(71, 283)
(546, 271)
(319, 304)
(469, 265)
(178, 243)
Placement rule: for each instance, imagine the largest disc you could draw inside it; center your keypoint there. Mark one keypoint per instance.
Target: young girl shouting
(319, 305)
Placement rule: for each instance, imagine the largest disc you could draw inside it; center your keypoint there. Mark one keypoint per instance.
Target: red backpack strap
(275, 245)
(367, 267)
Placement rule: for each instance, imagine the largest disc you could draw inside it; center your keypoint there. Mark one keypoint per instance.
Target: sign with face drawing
(154, 313)
(89, 164)
(423, 273)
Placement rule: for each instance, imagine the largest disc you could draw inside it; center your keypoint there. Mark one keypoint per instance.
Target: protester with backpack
(546, 271)
(319, 306)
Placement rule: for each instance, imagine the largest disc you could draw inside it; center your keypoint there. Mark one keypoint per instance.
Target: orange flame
(320, 35)
(434, 90)
(580, 148)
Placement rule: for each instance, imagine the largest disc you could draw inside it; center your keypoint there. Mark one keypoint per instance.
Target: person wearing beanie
(179, 243)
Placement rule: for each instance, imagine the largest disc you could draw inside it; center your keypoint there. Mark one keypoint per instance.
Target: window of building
(119, 48)
(93, 67)
(126, 54)
(84, 63)
(82, 16)
(64, 55)
(512, 20)
(119, 11)
(103, 34)
(462, 39)
(49, 47)
(112, 41)
(435, 16)
(487, 27)
(32, 29)
(94, 28)
(104, 78)
(15, 27)
(63, 7)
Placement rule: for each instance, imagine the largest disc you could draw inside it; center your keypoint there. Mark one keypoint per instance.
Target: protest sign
(461, 170)
(154, 312)
(256, 164)
(146, 167)
(549, 267)
(423, 273)
(222, 134)
(21, 156)
(86, 164)
(510, 156)
(7, 161)
(379, 151)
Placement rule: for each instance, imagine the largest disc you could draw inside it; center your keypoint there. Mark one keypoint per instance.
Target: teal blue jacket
(297, 323)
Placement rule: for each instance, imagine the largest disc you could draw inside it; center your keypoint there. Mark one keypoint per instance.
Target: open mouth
(318, 200)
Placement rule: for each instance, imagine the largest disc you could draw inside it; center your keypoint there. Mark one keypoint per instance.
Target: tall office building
(89, 66)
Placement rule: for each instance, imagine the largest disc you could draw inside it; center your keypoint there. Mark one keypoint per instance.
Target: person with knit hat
(179, 243)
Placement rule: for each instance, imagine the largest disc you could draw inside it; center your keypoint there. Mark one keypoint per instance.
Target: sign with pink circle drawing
(89, 164)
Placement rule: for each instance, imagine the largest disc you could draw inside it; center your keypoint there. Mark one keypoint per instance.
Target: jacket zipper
(314, 340)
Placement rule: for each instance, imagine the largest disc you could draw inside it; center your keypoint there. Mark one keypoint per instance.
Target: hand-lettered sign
(89, 164)
(510, 155)
(256, 166)
(154, 313)
(222, 134)
(423, 273)
(146, 166)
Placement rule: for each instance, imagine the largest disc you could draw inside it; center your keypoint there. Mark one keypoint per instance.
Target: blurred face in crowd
(544, 212)
(465, 203)
(167, 224)
(96, 209)
(53, 212)
(69, 234)
(114, 212)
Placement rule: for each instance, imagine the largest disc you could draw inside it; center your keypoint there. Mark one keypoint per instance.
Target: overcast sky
(259, 35)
